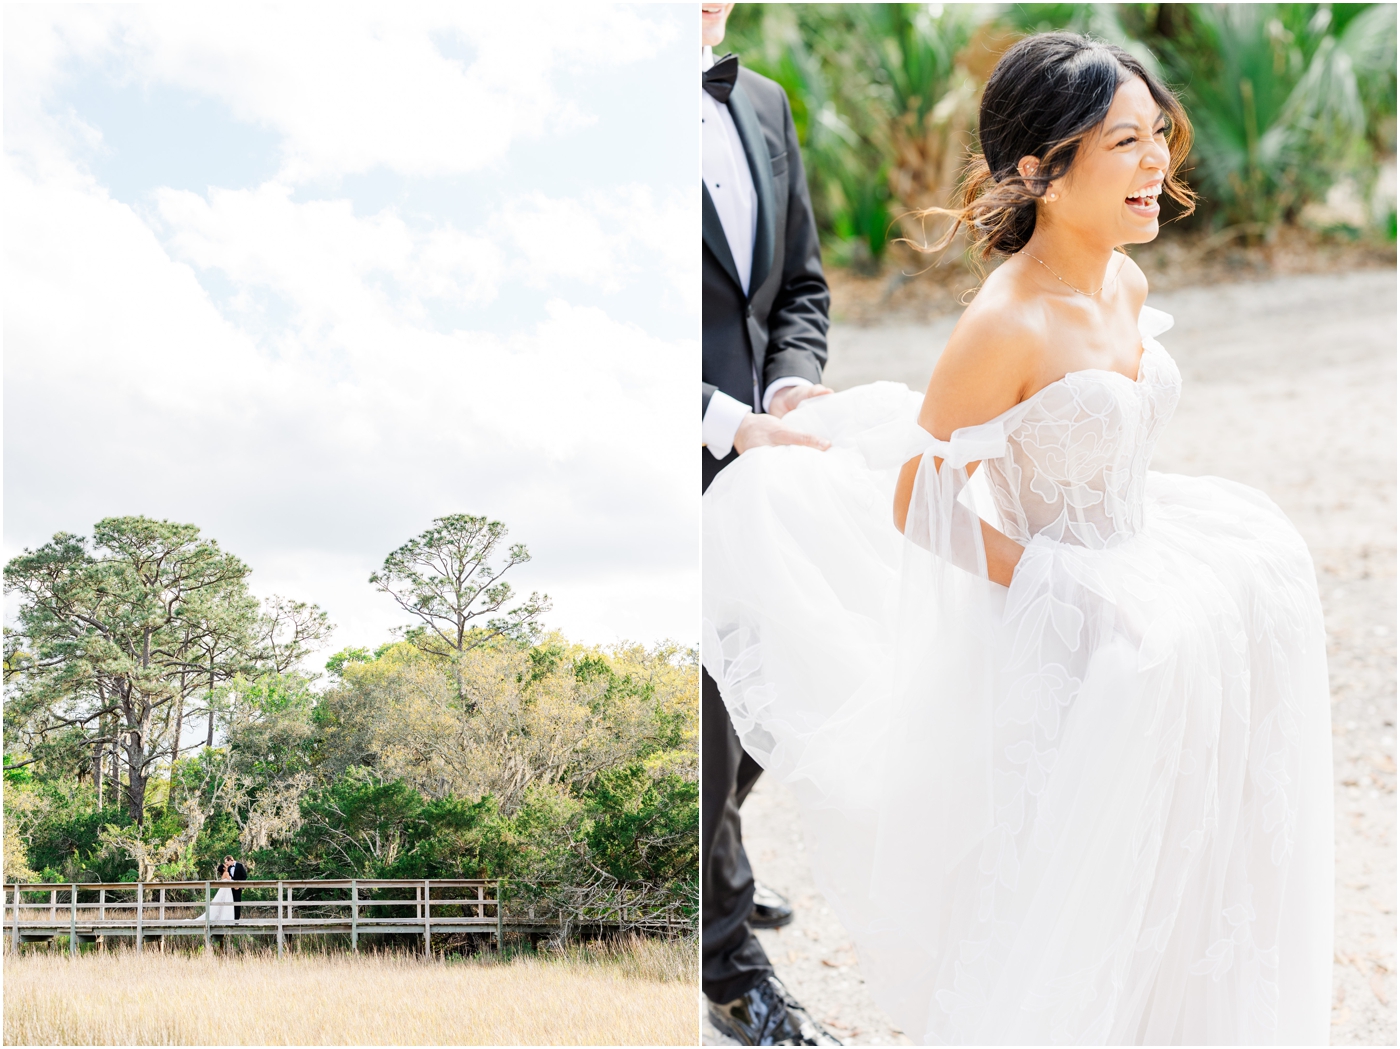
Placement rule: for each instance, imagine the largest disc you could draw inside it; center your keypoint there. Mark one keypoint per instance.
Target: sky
(309, 276)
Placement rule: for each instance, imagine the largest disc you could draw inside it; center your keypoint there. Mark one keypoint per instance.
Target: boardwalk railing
(562, 909)
(38, 912)
(283, 908)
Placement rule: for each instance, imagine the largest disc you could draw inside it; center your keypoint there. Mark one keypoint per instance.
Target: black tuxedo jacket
(780, 327)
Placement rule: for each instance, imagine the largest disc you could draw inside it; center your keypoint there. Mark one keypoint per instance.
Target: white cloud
(350, 87)
(321, 256)
(605, 239)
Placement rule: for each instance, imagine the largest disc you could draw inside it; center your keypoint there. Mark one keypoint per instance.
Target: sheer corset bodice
(1075, 465)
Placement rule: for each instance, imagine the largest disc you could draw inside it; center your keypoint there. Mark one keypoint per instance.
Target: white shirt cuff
(782, 384)
(722, 418)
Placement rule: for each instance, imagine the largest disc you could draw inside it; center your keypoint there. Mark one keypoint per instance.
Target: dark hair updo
(1044, 96)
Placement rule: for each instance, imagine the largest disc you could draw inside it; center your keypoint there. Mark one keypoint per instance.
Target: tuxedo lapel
(761, 167)
(713, 232)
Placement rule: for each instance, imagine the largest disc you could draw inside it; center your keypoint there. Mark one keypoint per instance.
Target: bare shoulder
(997, 334)
(1133, 282)
(990, 358)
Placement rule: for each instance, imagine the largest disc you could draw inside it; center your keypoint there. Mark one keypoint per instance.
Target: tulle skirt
(221, 909)
(1093, 807)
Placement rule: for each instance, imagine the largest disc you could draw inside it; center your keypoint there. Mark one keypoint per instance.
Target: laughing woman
(1063, 747)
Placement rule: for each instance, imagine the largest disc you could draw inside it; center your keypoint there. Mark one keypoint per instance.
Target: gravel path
(1289, 386)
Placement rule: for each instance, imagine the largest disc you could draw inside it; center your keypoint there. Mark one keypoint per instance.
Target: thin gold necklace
(1067, 284)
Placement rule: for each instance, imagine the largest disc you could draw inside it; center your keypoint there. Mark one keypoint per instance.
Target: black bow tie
(719, 78)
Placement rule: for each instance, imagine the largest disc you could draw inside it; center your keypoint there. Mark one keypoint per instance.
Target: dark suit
(777, 330)
(238, 873)
(780, 327)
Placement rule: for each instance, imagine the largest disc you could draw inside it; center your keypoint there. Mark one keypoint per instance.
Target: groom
(764, 306)
(237, 872)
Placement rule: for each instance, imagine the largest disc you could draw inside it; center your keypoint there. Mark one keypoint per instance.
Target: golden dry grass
(643, 995)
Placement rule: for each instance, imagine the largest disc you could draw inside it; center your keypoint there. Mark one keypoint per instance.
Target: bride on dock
(221, 906)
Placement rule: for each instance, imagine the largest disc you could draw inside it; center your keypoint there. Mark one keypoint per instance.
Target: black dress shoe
(767, 1015)
(771, 910)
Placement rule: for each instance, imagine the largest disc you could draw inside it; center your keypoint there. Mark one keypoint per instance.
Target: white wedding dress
(1093, 807)
(221, 906)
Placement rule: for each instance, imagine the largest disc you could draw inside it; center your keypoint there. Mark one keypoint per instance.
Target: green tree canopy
(114, 633)
(453, 573)
(117, 635)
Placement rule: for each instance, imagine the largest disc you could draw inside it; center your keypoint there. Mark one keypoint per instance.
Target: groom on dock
(765, 309)
(237, 872)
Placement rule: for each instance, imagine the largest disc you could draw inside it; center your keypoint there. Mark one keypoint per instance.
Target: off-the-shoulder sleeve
(1153, 322)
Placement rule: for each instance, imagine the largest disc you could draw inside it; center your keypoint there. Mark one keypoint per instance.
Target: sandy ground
(1289, 386)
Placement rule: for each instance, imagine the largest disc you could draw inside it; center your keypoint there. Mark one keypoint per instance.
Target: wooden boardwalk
(155, 911)
(152, 911)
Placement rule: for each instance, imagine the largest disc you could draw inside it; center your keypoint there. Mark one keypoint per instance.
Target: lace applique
(1075, 468)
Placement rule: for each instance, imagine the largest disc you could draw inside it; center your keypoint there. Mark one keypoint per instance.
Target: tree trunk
(136, 778)
(97, 756)
(136, 795)
(175, 747)
(116, 774)
(209, 740)
(135, 734)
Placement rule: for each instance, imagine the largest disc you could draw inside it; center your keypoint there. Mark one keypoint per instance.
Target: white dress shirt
(725, 170)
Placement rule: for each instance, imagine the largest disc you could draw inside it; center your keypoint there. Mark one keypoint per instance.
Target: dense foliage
(1290, 102)
(506, 753)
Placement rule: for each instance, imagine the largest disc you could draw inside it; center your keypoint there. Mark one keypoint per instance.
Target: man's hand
(789, 397)
(757, 430)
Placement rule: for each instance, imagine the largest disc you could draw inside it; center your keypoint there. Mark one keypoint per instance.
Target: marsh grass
(638, 958)
(640, 992)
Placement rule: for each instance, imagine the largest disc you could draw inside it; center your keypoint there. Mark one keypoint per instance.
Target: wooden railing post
(102, 905)
(53, 906)
(208, 946)
(140, 925)
(14, 929)
(73, 920)
(500, 919)
(354, 915)
(427, 919)
(162, 907)
(279, 919)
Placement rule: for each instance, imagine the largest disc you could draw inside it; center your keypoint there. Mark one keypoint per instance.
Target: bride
(1063, 747)
(221, 906)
